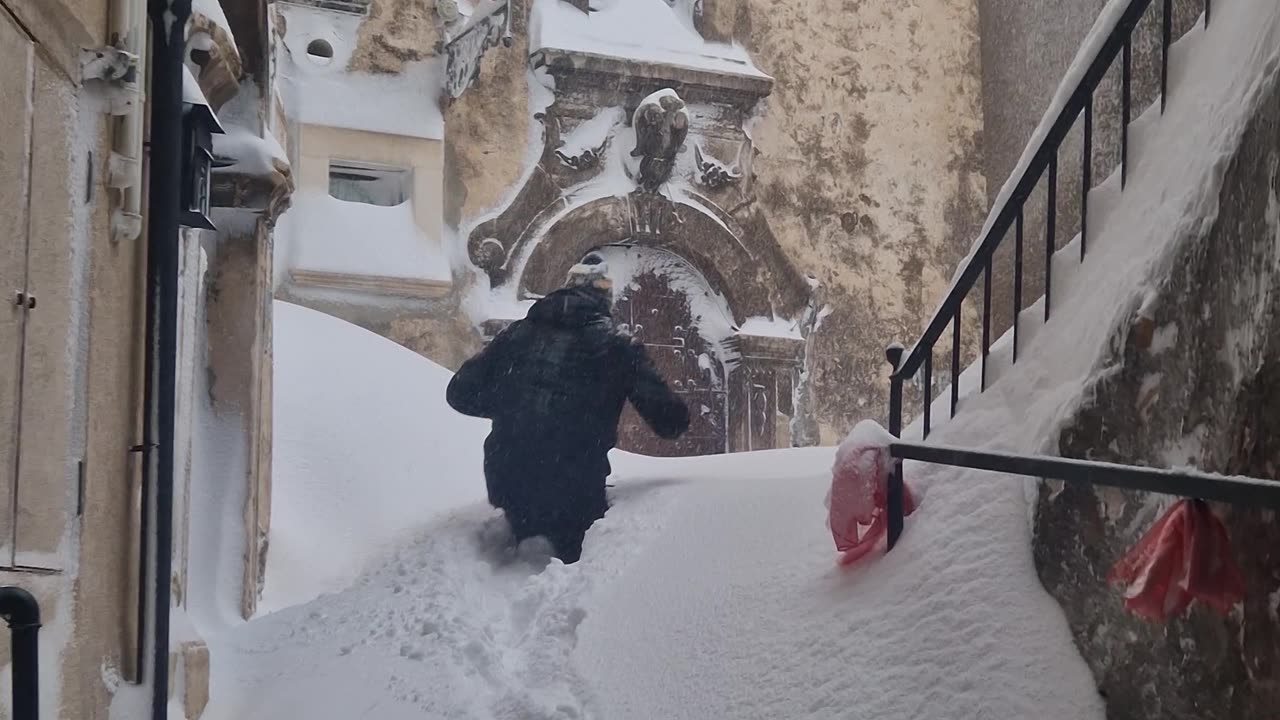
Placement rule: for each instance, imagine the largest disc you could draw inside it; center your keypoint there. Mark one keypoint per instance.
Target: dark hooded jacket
(554, 385)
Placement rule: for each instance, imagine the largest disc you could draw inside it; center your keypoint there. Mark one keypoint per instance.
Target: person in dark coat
(554, 385)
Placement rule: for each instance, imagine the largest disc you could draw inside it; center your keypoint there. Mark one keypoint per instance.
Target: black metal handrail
(21, 611)
(1186, 483)
(1010, 214)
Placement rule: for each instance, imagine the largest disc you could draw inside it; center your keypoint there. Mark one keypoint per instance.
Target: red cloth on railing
(858, 502)
(1185, 556)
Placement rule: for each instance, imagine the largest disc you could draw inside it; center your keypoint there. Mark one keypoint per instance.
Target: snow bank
(642, 30)
(709, 591)
(332, 235)
(364, 450)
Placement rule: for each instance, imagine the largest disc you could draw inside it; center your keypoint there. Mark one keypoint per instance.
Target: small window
(369, 184)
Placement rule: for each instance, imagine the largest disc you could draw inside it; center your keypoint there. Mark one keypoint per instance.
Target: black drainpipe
(168, 23)
(22, 612)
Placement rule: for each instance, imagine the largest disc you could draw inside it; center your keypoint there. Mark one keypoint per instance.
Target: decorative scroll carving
(584, 160)
(713, 173)
(464, 51)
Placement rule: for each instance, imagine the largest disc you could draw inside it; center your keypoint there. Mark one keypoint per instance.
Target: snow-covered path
(681, 608)
(709, 591)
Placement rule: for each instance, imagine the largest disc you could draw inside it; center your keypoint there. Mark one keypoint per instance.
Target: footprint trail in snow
(453, 624)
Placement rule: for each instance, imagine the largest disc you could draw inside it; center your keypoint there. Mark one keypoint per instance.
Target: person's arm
(663, 410)
(476, 389)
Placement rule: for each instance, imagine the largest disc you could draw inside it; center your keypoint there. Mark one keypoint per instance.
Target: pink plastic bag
(1185, 556)
(857, 503)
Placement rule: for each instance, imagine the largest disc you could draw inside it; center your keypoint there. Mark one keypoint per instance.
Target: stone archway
(746, 268)
(714, 263)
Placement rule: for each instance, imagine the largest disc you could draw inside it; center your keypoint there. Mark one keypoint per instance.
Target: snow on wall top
(590, 135)
(321, 91)
(332, 235)
(252, 154)
(642, 30)
(771, 327)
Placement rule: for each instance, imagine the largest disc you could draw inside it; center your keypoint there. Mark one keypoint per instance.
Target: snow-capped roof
(641, 30)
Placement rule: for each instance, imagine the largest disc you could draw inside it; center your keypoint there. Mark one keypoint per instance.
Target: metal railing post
(894, 491)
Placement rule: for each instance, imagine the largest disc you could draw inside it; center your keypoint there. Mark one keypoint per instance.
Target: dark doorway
(666, 304)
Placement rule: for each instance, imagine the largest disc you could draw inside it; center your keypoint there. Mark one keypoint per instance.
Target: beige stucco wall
(318, 145)
(87, 342)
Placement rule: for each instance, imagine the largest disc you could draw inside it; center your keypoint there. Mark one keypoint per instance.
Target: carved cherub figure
(661, 122)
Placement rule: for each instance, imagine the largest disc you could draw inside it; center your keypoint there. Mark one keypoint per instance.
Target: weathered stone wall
(394, 33)
(1197, 383)
(869, 171)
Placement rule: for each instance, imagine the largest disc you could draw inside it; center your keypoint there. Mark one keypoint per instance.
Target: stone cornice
(372, 284)
(639, 78)
(268, 195)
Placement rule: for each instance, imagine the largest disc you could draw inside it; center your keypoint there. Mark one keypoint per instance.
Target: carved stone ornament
(489, 254)
(711, 172)
(464, 51)
(585, 160)
(447, 10)
(661, 123)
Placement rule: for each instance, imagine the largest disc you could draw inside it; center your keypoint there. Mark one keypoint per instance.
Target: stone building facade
(847, 175)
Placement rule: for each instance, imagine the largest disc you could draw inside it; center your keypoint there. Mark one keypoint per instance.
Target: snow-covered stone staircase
(1163, 194)
(1161, 326)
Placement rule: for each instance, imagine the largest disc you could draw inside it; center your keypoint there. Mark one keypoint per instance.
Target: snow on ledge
(253, 155)
(329, 235)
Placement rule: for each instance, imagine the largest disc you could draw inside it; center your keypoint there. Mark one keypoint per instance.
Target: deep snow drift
(710, 590)
(364, 450)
